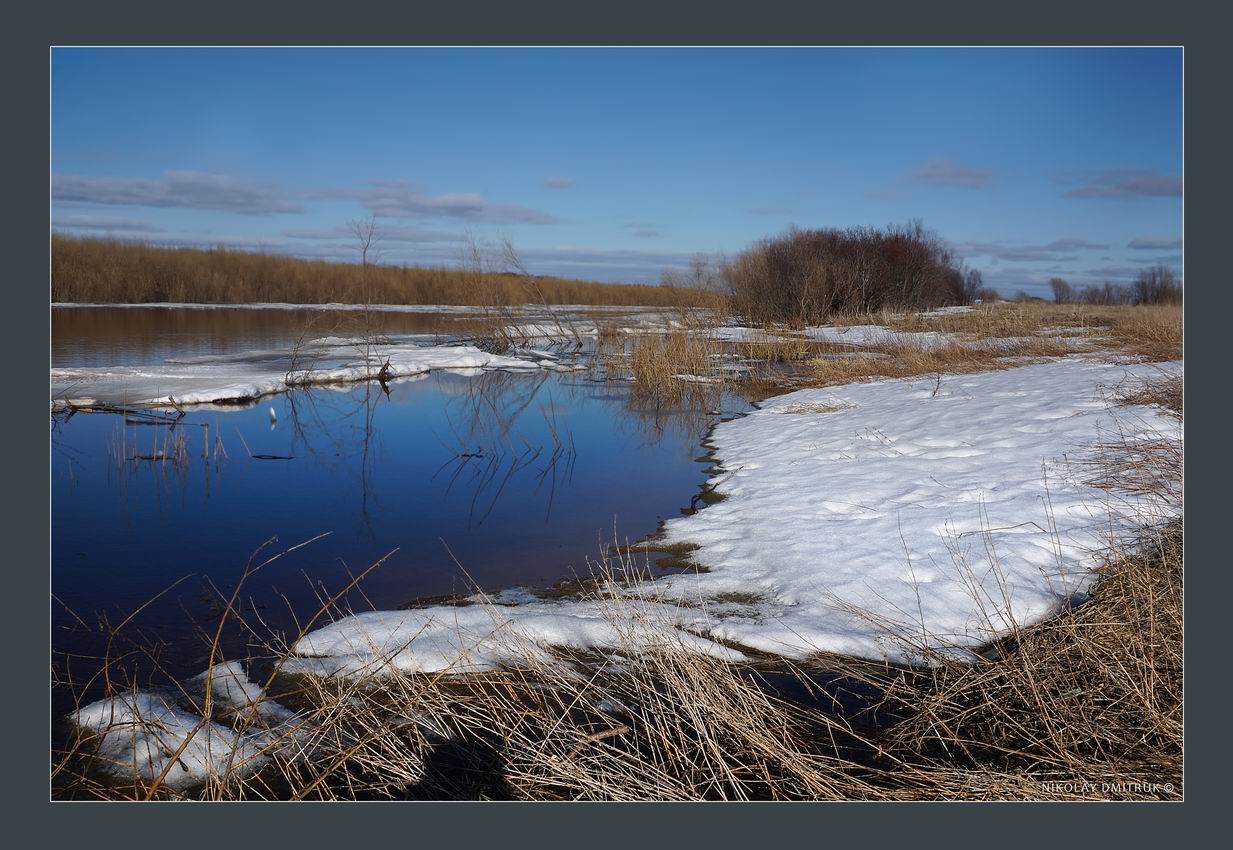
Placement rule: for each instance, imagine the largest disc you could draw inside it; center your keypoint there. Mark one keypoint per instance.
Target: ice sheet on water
(334, 307)
(249, 375)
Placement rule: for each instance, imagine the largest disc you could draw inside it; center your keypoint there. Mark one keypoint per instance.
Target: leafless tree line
(1157, 285)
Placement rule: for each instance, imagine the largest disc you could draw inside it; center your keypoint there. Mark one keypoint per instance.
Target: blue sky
(617, 164)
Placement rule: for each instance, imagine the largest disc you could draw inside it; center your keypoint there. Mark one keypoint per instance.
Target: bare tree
(1063, 292)
(972, 286)
(368, 237)
(1157, 285)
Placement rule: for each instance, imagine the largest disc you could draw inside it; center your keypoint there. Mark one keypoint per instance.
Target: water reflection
(478, 480)
(130, 336)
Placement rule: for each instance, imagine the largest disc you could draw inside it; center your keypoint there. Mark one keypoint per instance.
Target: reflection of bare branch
(495, 443)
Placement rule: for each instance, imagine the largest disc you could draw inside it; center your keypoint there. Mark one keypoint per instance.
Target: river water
(460, 480)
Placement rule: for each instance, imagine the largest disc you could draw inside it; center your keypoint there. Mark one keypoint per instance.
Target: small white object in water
(273, 416)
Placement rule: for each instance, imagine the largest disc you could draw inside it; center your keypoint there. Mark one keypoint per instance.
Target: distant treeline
(806, 276)
(109, 271)
(1156, 285)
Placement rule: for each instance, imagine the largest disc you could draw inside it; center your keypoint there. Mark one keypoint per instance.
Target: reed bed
(110, 271)
(672, 365)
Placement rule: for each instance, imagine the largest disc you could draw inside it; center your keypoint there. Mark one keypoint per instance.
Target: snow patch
(480, 637)
(139, 733)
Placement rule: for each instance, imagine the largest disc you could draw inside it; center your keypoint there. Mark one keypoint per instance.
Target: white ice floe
(565, 329)
(480, 637)
(248, 375)
(740, 333)
(234, 696)
(867, 520)
(860, 336)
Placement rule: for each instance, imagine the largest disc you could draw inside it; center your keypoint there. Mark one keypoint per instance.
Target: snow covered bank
(249, 375)
(862, 512)
(473, 638)
(864, 520)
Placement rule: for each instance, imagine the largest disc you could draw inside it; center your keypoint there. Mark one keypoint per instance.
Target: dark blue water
(489, 480)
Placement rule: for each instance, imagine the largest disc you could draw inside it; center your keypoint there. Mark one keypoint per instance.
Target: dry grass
(1004, 335)
(673, 365)
(906, 359)
(636, 722)
(1153, 333)
(1164, 392)
(1093, 695)
(107, 271)
(993, 336)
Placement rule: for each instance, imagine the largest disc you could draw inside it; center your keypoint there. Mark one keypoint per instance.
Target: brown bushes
(806, 276)
(105, 271)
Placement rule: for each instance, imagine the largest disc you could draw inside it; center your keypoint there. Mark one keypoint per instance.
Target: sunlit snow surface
(907, 512)
(471, 638)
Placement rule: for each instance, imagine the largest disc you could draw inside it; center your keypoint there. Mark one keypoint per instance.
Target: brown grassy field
(1001, 335)
(1023, 332)
(105, 271)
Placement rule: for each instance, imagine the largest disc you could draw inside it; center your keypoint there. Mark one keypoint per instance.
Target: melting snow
(876, 516)
(480, 637)
(249, 375)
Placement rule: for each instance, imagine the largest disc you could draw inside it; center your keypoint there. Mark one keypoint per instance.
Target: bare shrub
(806, 276)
